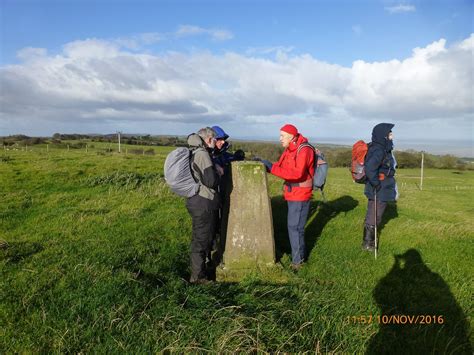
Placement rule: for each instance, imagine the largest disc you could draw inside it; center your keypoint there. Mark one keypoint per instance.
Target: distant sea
(459, 148)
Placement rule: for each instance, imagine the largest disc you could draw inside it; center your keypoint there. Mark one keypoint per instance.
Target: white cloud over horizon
(214, 33)
(400, 8)
(94, 84)
(139, 41)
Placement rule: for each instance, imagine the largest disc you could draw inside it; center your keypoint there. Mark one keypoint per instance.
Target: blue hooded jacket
(220, 134)
(380, 165)
(221, 156)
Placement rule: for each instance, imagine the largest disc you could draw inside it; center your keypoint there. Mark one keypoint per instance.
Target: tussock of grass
(128, 180)
(5, 159)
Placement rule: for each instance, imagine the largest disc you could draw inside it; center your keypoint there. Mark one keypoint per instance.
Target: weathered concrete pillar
(249, 242)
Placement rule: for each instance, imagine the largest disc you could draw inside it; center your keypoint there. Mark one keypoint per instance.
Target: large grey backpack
(178, 173)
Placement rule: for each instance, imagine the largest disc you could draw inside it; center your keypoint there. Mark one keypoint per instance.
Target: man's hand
(267, 164)
(378, 187)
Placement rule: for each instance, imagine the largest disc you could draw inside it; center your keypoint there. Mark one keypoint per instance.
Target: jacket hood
(220, 134)
(195, 140)
(296, 142)
(380, 132)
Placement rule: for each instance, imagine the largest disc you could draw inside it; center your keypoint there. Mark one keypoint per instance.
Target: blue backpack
(320, 166)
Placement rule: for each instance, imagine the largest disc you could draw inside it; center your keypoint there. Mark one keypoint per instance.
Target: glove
(219, 170)
(239, 155)
(267, 164)
(378, 187)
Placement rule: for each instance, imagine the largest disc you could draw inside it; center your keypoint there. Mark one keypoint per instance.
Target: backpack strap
(304, 145)
(192, 151)
(315, 151)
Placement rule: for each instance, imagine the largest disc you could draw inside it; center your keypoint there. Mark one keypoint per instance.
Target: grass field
(98, 261)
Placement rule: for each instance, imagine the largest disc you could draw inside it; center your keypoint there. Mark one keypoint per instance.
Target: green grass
(98, 261)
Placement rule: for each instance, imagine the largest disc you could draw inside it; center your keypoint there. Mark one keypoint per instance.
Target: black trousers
(204, 230)
(370, 216)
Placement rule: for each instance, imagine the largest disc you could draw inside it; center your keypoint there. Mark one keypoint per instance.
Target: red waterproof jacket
(297, 171)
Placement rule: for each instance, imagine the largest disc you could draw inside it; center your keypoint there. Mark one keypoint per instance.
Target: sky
(334, 69)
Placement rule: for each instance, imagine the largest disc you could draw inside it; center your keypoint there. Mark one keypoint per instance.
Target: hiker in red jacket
(296, 168)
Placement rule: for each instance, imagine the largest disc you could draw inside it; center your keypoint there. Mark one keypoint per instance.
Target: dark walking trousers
(370, 216)
(204, 229)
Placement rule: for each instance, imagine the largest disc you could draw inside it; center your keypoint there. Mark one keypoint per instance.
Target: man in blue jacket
(222, 158)
(380, 165)
(220, 155)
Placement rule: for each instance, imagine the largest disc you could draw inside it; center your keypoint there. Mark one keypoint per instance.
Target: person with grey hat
(203, 207)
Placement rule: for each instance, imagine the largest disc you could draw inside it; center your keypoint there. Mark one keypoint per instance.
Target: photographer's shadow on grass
(319, 215)
(432, 321)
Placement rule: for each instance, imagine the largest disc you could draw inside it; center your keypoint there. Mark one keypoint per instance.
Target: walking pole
(375, 207)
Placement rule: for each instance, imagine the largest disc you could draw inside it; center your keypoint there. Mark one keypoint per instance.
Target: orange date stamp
(401, 319)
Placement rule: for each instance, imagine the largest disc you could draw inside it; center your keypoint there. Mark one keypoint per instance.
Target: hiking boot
(211, 270)
(200, 282)
(296, 267)
(3, 244)
(368, 241)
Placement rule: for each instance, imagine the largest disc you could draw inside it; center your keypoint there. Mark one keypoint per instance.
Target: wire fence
(438, 188)
(93, 148)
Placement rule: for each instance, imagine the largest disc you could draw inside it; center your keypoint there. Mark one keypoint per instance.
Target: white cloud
(30, 53)
(140, 40)
(91, 48)
(400, 8)
(220, 35)
(216, 34)
(94, 83)
(278, 50)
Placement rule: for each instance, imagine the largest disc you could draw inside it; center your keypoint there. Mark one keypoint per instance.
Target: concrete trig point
(248, 241)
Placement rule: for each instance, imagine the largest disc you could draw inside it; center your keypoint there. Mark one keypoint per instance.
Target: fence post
(68, 147)
(47, 148)
(422, 163)
(86, 147)
(120, 151)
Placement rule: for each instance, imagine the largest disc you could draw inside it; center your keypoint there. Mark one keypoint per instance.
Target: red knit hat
(289, 128)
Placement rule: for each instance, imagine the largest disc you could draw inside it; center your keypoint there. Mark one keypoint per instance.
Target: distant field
(98, 258)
